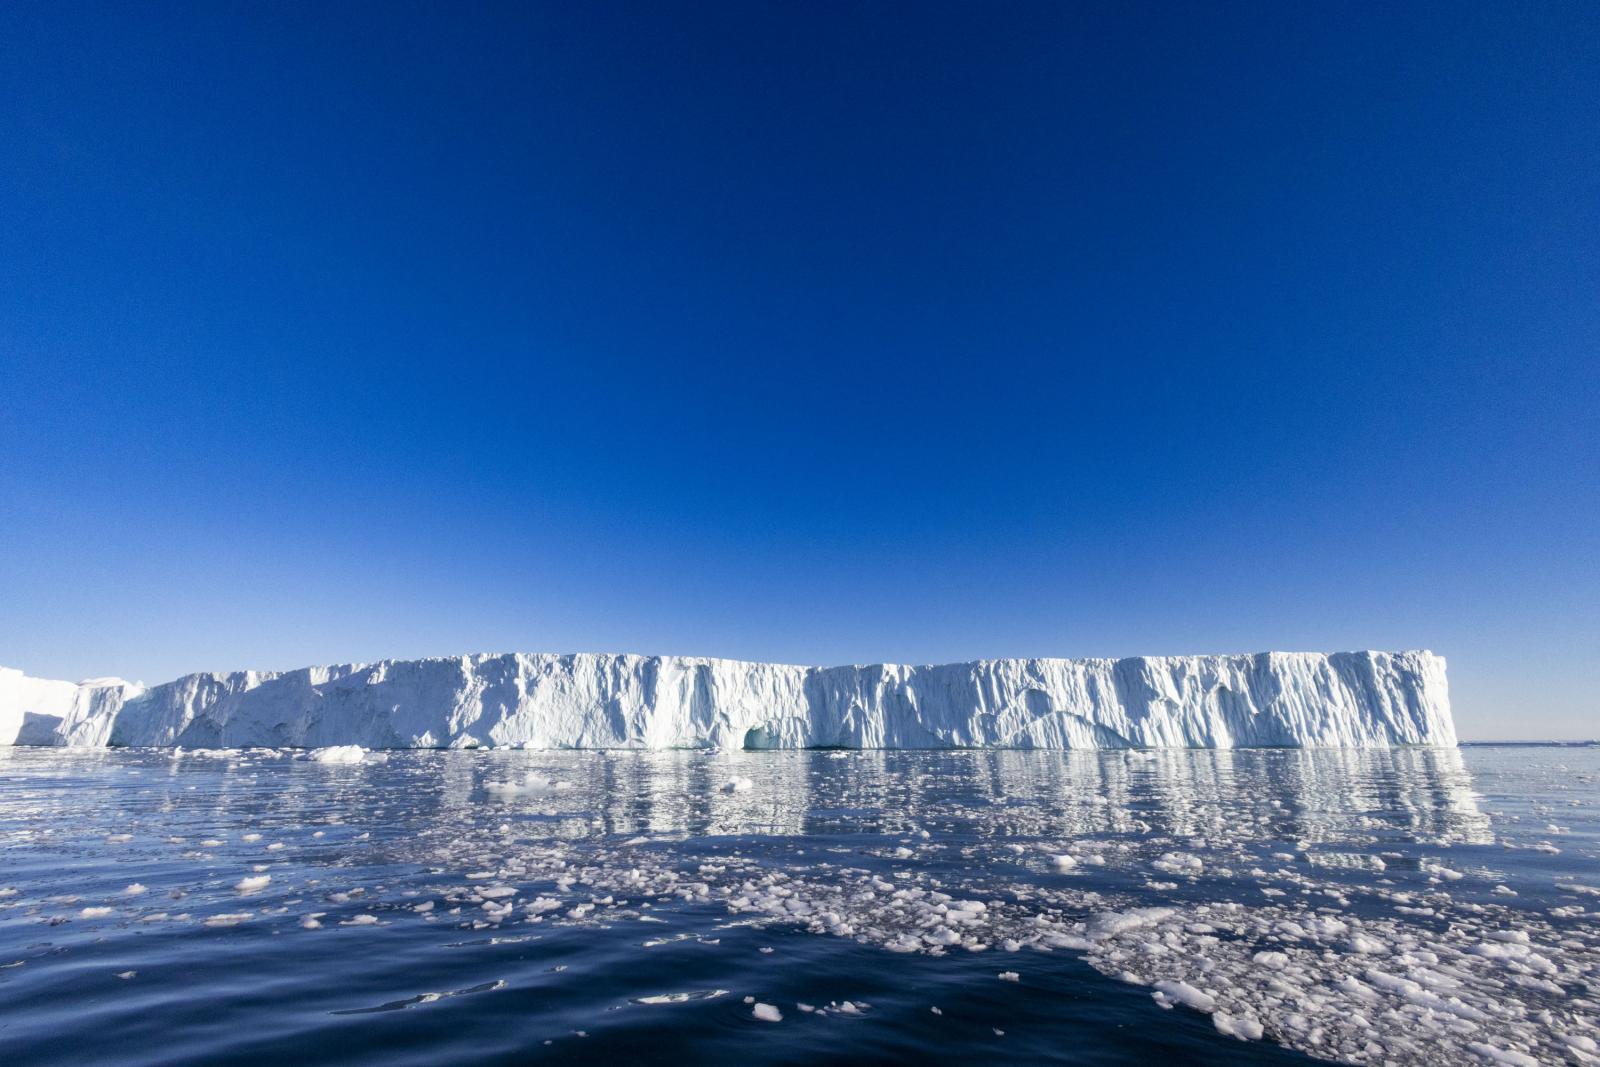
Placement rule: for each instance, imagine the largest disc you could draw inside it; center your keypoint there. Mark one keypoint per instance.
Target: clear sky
(812, 332)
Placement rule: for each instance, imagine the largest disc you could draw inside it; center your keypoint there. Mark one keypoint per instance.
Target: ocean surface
(1408, 906)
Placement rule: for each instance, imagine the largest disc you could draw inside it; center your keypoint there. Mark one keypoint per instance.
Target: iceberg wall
(1353, 699)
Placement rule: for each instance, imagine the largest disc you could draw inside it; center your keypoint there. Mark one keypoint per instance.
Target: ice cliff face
(1359, 699)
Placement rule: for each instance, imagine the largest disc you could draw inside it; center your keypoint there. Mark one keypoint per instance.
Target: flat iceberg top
(598, 700)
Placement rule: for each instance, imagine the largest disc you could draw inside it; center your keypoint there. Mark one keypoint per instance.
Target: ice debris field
(589, 701)
(1409, 906)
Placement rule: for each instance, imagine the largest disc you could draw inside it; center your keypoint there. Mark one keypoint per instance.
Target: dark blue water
(507, 907)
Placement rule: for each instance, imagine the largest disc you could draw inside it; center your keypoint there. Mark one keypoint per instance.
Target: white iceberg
(1353, 699)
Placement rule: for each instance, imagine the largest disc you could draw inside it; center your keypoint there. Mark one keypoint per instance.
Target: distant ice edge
(1343, 699)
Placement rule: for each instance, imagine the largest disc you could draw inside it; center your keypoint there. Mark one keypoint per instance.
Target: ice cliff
(1359, 699)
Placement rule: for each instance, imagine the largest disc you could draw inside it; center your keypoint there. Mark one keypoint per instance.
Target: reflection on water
(1291, 794)
(1294, 794)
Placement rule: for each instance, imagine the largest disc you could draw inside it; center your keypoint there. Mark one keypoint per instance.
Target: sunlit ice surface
(1399, 906)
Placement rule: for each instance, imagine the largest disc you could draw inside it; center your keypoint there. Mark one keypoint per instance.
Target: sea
(510, 907)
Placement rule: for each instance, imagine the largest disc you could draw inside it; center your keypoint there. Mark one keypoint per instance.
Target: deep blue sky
(810, 332)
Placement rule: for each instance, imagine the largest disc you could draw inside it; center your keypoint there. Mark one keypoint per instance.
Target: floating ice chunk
(767, 1013)
(95, 913)
(1364, 945)
(363, 919)
(134, 890)
(1009, 976)
(1179, 863)
(1169, 993)
(1069, 941)
(1242, 1027)
(1502, 1055)
(339, 754)
(533, 784)
(1572, 887)
(125, 975)
(254, 884)
(1064, 862)
(232, 918)
(739, 784)
(1111, 923)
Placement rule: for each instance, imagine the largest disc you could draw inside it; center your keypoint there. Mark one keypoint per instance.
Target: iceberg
(604, 701)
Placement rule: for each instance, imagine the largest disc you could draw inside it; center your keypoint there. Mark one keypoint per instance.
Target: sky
(808, 332)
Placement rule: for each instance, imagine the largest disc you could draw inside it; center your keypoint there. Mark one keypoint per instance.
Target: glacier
(605, 701)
